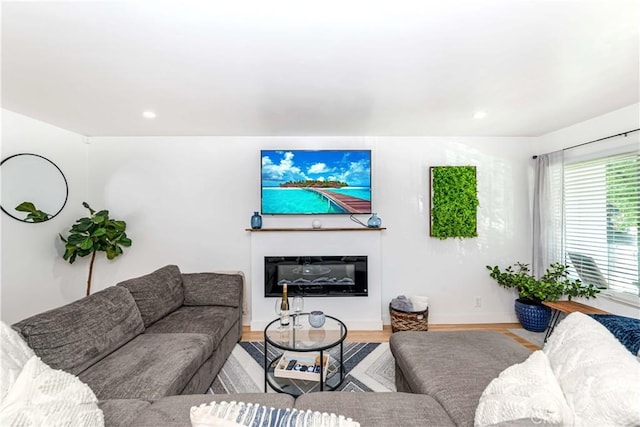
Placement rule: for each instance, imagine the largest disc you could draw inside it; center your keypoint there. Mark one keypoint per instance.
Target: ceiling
(340, 68)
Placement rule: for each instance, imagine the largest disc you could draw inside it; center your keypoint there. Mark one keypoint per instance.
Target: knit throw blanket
(231, 414)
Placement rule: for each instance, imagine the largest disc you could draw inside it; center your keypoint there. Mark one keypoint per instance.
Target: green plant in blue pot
(532, 314)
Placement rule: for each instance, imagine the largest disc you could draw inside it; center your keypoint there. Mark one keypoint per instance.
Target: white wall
(34, 275)
(452, 272)
(188, 201)
(613, 123)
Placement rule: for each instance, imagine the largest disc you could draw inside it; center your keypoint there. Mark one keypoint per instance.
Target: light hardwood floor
(383, 336)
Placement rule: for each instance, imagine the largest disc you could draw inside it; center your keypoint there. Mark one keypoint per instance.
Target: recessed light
(480, 115)
(149, 115)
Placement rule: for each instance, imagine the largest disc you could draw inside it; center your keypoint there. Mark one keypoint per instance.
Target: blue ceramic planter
(534, 318)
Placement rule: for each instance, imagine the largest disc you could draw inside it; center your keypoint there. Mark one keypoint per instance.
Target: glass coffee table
(284, 346)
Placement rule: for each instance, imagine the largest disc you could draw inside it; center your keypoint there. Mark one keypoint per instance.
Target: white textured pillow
(600, 378)
(232, 414)
(14, 354)
(42, 396)
(527, 390)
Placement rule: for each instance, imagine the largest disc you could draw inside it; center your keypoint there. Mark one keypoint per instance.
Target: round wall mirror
(34, 189)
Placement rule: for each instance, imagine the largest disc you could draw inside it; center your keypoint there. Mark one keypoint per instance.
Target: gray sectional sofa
(439, 376)
(453, 367)
(162, 334)
(149, 347)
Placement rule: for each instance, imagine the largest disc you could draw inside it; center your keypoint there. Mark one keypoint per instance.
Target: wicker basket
(409, 320)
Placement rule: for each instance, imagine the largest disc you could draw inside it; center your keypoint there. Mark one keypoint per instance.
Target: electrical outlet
(478, 302)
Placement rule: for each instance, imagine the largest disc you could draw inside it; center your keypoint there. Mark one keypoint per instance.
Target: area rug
(368, 367)
(536, 338)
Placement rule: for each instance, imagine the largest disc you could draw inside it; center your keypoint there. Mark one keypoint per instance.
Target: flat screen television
(312, 182)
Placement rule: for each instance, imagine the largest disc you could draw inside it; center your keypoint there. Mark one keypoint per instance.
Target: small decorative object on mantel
(256, 221)
(374, 221)
(316, 223)
(316, 318)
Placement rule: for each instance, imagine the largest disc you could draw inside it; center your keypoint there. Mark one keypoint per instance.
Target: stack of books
(302, 366)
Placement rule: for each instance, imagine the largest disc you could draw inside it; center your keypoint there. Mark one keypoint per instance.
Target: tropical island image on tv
(316, 182)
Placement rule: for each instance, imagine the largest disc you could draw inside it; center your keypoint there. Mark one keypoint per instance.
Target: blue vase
(374, 221)
(256, 221)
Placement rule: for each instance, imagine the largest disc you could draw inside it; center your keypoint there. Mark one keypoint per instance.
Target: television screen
(299, 182)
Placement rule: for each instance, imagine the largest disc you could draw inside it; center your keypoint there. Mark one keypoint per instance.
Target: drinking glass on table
(298, 306)
(278, 311)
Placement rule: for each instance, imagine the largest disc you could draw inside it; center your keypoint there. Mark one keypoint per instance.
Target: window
(602, 220)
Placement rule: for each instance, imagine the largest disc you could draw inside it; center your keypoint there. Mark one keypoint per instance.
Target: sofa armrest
(215, 288)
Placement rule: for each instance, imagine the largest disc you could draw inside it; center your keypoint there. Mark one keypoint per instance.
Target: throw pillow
(14, 354)
(42, 396)
(527, 390)
(231, 414)
(598, 376)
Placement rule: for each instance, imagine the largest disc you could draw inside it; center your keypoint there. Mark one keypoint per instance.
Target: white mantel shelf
(259, 230)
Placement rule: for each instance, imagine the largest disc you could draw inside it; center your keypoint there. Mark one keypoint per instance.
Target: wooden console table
(567, 307)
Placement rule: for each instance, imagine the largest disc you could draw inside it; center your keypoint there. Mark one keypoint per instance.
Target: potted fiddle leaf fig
(532, 314)
(96, 233)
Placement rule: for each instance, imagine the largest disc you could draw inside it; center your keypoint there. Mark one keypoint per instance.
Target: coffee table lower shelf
(296, 387)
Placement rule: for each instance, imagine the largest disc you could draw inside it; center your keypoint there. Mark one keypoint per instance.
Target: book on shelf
(302, 365)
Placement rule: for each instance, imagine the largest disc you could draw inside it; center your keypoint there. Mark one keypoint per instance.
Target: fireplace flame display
(317, 275)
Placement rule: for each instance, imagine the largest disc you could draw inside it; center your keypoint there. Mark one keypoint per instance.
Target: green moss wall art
(454, 201)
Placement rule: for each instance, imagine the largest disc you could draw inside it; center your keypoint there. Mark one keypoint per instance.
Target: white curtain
(548, 212)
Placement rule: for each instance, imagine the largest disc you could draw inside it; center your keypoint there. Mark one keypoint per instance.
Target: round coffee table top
(305, 337)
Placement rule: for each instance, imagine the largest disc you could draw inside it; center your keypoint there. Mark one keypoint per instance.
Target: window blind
(602, 220)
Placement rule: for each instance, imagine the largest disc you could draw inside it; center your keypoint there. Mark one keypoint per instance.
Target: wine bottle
(284, 307)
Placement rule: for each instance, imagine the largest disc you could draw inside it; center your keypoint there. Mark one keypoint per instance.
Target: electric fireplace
(316, 276)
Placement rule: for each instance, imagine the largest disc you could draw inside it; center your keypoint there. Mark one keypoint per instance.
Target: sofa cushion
(598, 376)
(429, 361)
(524, 390)
(378, 409)
(77, 335)
(213, 289)
(157, 293)
(122, 412)
(210, 320)
(149, 367)
(173, 411)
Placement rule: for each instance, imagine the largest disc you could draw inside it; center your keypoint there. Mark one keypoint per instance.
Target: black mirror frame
(66, 184)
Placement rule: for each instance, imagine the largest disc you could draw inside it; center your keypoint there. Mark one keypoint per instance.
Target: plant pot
(533, 317)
